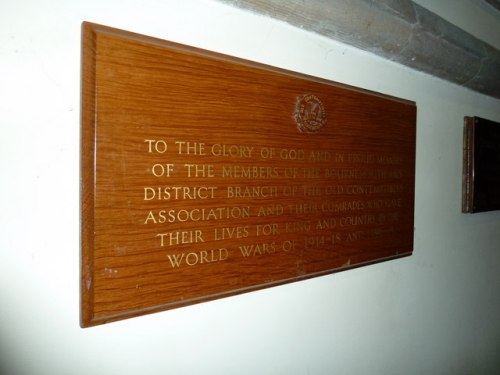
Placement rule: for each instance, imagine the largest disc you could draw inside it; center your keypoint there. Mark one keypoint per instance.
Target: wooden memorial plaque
(205, 176)
(481, 168)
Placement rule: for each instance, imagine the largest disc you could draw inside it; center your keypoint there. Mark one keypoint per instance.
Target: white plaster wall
(436, 312)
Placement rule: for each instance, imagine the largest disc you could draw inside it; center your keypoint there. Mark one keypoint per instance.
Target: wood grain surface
(197, 183)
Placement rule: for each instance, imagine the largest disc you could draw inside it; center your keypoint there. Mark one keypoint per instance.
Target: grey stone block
(398, 30)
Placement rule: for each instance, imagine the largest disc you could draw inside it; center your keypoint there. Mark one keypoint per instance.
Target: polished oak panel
(205, 176)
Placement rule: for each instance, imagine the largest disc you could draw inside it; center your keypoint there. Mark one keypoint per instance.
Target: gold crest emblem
(310, 114)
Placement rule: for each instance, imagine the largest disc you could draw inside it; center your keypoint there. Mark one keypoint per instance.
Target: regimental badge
(310, 114)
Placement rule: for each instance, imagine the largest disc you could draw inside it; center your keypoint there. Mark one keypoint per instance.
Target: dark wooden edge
(468, 166)
(87, 173)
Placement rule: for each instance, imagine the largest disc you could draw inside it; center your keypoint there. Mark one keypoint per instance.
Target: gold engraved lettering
(200, 170)
(361, 158)
(367, 234)
(390, 217)
(395, 160)
(357, 220)
(234, 151)
(196, 214)
(180, 237)
(160, 170)
(198, 257)
(267, 229)
(311, 190)
(178, 192)
(289, 245)
(350, 173)
(340, 206)
(230, 232)
(290, 191)
(334, 189)
(316, 242)
(339, 158)
(252, 192)
(311, 172)
(254, 172)
(298, 227)
(320, 156)
(355, 236)
(303, 208)
(291, 172)
(159, 146)
(271, 210)
(384, 203)
(328, 223)
(373, 189)
(258, 249)
(152, 218)
(190, 148)
(267, 152)
(292, 154)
